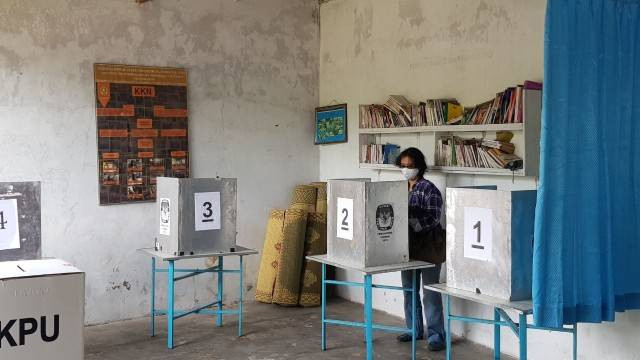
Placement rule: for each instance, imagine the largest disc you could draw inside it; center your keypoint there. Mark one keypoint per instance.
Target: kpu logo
(26, 327)
(384, 217)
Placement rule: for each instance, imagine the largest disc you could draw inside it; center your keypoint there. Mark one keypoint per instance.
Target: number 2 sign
(207, 211)
(344, 224)
(478, 233)
(9, 232)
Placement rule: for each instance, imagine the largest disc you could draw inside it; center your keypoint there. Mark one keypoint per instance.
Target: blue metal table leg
(522, 324)
(368, 311)
(153, 296)
(170, 309)
(241, 297)
(414, 295)
(220, 289)
(575, 341)
(496, 334)
(448, 325)
(324, 306)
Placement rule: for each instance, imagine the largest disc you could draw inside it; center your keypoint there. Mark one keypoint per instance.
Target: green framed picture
(331, 124)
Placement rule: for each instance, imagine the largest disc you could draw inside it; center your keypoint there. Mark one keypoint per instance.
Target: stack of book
(396, 112)
(378, 116)
(379, 153)
(399, 112)
(505, 108)
(441, 112)
(479, 153)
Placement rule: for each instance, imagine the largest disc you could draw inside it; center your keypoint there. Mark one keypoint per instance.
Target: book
(379, 153)
(479, 153)
(506, 147)
(532, 85)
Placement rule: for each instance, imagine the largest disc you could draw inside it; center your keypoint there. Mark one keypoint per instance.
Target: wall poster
(142, 125)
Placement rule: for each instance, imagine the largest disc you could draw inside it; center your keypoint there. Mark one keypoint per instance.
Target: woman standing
(425, 209)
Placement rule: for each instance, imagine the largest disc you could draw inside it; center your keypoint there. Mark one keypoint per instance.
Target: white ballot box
(490, 241)
(367, 222)
(196, 216)
(41, 310)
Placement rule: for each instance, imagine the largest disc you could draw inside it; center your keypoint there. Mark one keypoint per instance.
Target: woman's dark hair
(418, 159)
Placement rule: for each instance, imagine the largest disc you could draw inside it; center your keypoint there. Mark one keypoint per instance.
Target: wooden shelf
(379, 166)
(526, 140)
(476, 171)
(449, 169)
(444, 128)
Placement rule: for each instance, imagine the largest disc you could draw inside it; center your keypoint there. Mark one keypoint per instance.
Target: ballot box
(490, 241)
(42, 312)
(195, 216)
(367, 222)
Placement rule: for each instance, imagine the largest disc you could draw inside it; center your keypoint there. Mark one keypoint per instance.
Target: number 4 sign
(207, 211)
(478, 233)
(9, 233)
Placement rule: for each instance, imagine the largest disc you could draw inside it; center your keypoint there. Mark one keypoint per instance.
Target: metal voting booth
(196, 218)
(489, 260)
(367, 232)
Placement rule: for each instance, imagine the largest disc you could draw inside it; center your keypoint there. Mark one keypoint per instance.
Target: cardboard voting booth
(490, 241)
(367, 222)
(196, 215)
(42, 312)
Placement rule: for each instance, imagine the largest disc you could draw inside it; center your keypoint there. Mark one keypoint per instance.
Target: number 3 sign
(9, 233)
(207, 211)
(478, 233)
(344, 223)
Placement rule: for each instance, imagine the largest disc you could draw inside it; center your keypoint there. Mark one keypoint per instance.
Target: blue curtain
(587, 238)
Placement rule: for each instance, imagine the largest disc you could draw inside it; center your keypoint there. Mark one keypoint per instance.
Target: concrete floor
(271, 333)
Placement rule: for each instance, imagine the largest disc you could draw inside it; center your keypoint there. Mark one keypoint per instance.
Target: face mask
(409, 174)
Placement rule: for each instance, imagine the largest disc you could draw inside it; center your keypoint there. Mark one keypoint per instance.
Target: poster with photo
(142, 129)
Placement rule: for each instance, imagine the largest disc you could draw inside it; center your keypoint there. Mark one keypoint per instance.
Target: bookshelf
(526, 139)
(443, 128)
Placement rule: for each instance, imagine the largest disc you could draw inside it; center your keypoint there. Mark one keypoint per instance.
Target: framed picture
(331, 124)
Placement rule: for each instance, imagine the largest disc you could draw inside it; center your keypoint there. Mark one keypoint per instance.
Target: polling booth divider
(490, 260)
(367, 232)
(196, 218)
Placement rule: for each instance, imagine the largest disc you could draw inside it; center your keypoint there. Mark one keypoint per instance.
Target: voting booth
(20, 233)
(367, 222)
(196, 216)
(42, 312)
(490, 241)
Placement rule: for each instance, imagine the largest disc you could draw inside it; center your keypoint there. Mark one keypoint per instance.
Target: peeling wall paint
(370, 49)
(253, 85)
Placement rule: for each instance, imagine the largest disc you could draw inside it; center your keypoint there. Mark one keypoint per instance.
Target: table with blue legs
(500, 318)
(171, 270)
(368, 286)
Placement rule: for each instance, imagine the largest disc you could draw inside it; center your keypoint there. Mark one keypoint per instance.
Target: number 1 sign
(478, 233)
(9, 233)
(207, 211)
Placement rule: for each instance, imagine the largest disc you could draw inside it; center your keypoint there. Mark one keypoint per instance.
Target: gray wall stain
(411, 12)
(362, 25)
(468, 30)
(412, 42)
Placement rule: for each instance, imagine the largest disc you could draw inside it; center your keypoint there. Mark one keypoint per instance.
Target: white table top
(411, 265)
(240, 251)
(523, 306)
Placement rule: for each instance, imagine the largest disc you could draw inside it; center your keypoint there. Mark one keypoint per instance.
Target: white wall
(424, 49)
(253, 79)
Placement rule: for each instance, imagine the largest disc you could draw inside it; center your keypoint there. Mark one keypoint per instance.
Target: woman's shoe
(436, 346)
(407, 337)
